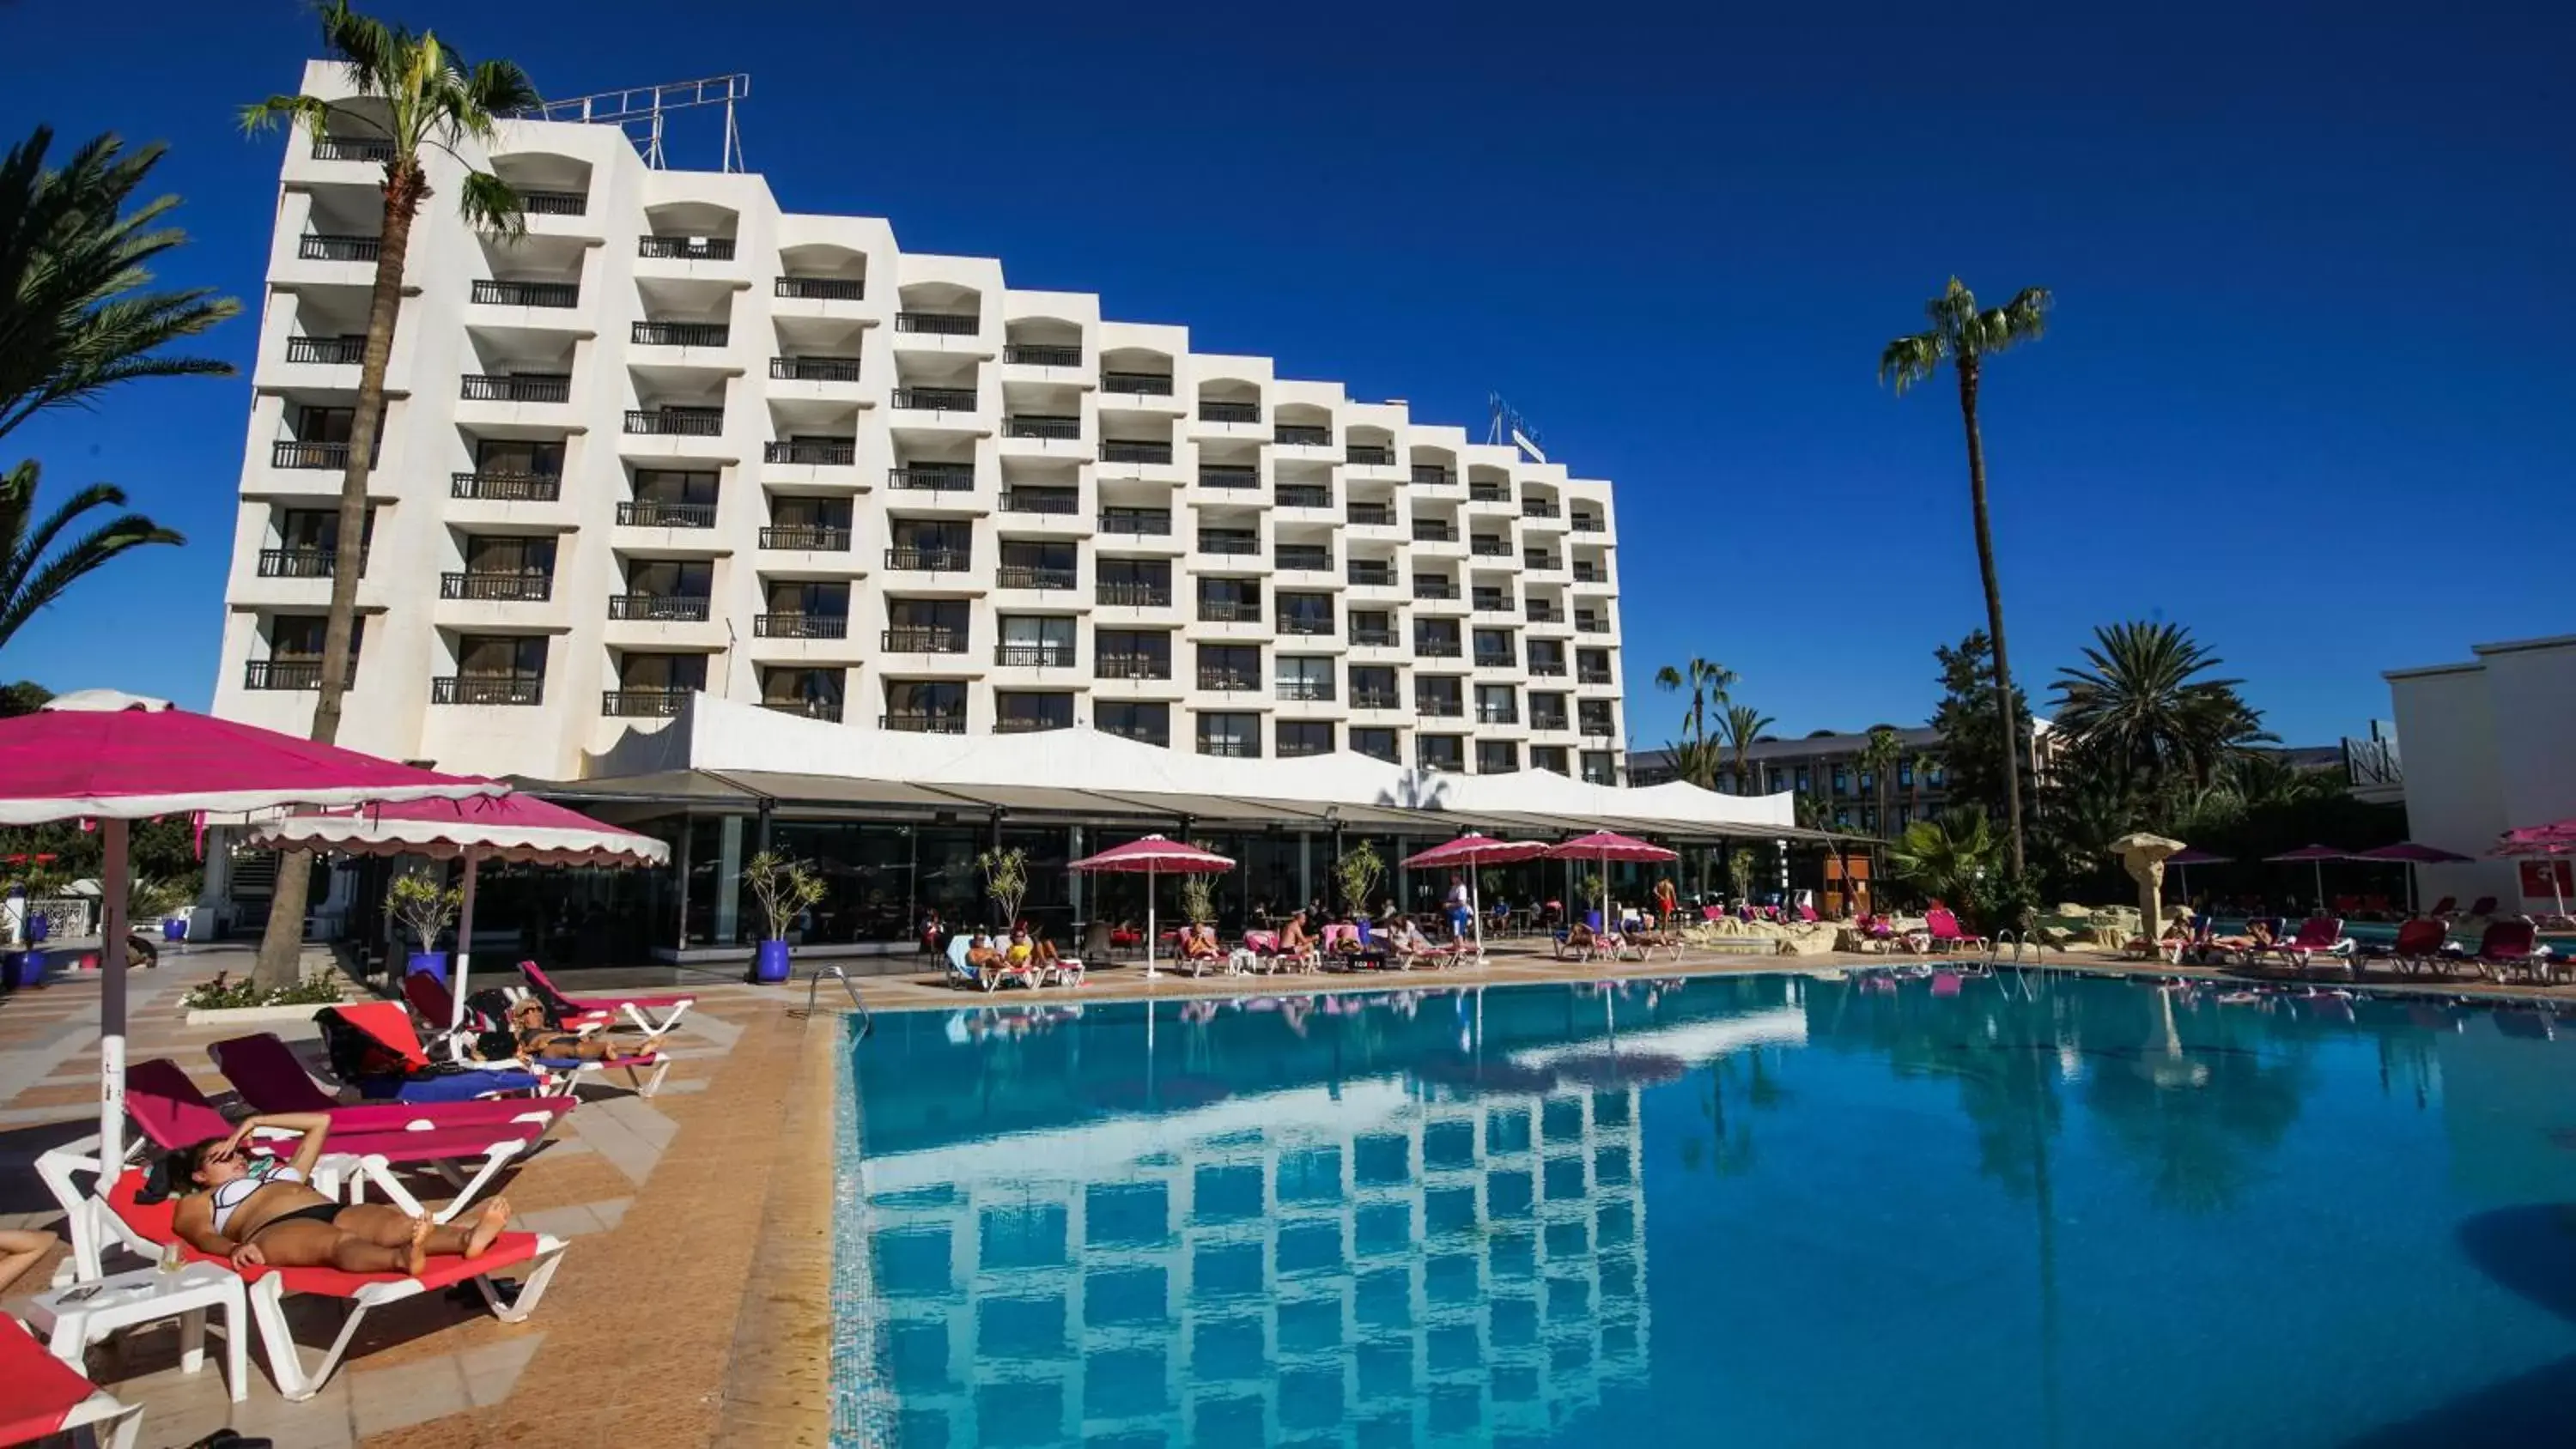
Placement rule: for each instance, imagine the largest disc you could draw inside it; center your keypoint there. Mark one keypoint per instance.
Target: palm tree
(1879, 756)
(1706, 679)
(431, 101)
(75, 252)
(1696, 760)
(29, 580)
(1964, 335)
(1742, 729)
(2142, 714)
(1943, 858)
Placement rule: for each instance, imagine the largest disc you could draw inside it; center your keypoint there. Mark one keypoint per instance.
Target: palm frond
(1909, 360)
(30, 579)
(492, 205)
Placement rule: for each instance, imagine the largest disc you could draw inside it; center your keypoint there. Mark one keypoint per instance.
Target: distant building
(1826, 765)
(2486, 752)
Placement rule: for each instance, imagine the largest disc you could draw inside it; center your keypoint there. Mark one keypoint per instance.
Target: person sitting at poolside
(255, 1211)
(2258, 937)
(1580, 939)
(1295, 945)
(532, 1036)
(1199, 948)
(1021, 951)
(1406, 944)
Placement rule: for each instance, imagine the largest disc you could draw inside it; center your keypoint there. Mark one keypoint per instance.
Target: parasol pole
(464, 944)
(111, 1004)
(2319, 867)
(1149, 942)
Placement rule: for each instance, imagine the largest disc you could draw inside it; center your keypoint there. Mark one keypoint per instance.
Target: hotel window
(1230, 601)
(1306, 614)
(519, 456)
(1440, 752)
(1549, 757)
(1373, 687)
(674, 486)
(1230, 668)
(1547, 711)
(1024, 712)
(485, 656)
(1592, 717)
(1306, 677)
(1151, 723)
(1437, 695)
(662, 673)
(1494, 648)
(1376, 743)
(1869, 817)
(1498, 757)
(1132, 653)
(1035, 641)
(1496, 704)
(1939, 776)
(1777, 784)
(1806, 780)
(1027, 564)
(1842, 819)
(922, 704)
(1372, 627)
(814, 692)
(1232, 735)
(1905, 775)
(1298, 737)
(1597, 769)
(1842, 780)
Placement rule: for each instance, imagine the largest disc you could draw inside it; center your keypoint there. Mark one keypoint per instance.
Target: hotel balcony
(1129, 594)
(1124, 665)
(658, 608)
(303, 563)
(648, 513)
(813, 369)
(323, 247)
(823, 289)
(806, 538)
(924, 722)
(517, 387)
(554, 295)
(326, 351)
(506, 487)
(677, 422)
(1033, 656)
(923, 639)
(681, 334)
(929, 560)
(514, 588)
(643, 703)
(510, 690)
(290, 674)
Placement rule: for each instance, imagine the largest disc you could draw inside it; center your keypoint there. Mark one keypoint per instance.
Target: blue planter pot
(37, 927)
(429, 963)
(174, 929)
(770, 964)
(26, 968)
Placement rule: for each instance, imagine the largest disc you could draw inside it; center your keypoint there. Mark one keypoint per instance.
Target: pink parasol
(2184, 859)
(2411, 854)
(101, 755)
(521, 829)
(2529, 841)
(1152, 856)
(1466, 853)
(1606, 846)
(2316, 856)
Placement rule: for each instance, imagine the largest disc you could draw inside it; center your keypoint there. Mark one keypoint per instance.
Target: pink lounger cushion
(152, 1222)
(38, 1391)
(265, 1070)
(173, 1113)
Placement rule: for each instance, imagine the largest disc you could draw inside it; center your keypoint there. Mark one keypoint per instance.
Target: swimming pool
(1761, 1210)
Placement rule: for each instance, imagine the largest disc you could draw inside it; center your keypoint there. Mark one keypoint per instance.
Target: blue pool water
(1752, 1210)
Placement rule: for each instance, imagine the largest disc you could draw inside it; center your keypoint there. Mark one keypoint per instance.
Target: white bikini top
(240, 1190)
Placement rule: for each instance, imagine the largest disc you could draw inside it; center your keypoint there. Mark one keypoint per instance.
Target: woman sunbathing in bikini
(534, 1038)
(259, 1210)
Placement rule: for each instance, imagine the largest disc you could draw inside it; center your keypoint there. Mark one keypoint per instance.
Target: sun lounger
(2508, 947)
(270, 1078)
(146, 1227)
(2483, 906)
(1942, 930)
(637, 1006)
(2443, 906)
(2317, 936)
(389, 1027)
(2418, 947)
(373, 1048)
(40, 1395)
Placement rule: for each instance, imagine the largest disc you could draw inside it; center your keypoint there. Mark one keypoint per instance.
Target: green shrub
(223, 993)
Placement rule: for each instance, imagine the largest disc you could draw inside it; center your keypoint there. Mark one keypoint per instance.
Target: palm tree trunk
(281, 946)
(1967, 369)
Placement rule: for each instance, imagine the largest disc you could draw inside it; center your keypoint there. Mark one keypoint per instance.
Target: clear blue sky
(2308, 389)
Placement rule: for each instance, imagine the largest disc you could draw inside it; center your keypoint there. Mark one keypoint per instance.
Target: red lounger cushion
(152, 1222)
(37, 1390)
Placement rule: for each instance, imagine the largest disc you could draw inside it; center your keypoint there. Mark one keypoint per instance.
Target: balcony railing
(1230, 747)
(1485, 492)
(658, 608)
(553, 203)
(813, 452)
(933, 477)
(1154, 522)
(1032, 426)
(686, 248)
(676, 422)
(653, 513)
(642, 703)
(1424, 532)
(1497, 714)
(1596, 725)
(529, 387)
(1585, 524)
(303, 563)
(1229, 611)
(1376, 699)
(1302, 435)
(1490, 659)
(1538, 613)
(1592, 676)
(928, 560)
(1228, 475)
(1302, 495)
(1368, 455)
(1115, 450)
(1437, 648)
(1032, 576)
(1029, 724)
(1034, 656)
(822, 709)
(1531, 509)
(1133, 594)
(1308, 690)
(1039, 354)
(1370, 515)
(327, 351)
(496, 689)
(936, 399)
(1542, 721)
(823, 289)
(1586, 624)
(1547, 668)
(1490, 547)
(498, 587)
(924, 639)
(800, 625)
(1490, 601)
(806, 537)
(288, 673)
(1133, 666)
(1219, 680)
(1373, 638)
(351, 148)
(527, 294)
(1369, 574)
(1062, 502)
(1229, 412)
(1137, 384)
(1539, 562)
(1437, 707)
(1434, 589)
(924, 721)
(325, 247)
(1432, 475)
(681, 334)
(814, 369)
(1587, 574)
(939, 324)
(288, 454)
(504, 487)
(1244, 545)
(1304, 560)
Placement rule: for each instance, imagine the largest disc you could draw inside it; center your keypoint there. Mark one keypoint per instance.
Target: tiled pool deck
(693, 1307)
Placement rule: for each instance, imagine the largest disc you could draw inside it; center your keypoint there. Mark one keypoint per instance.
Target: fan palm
(2143, 713)
(1878, 759)
(32, 572)
(1707, 680)
(1943, 858)
(1696, 760)
(1964, 335)
(76, 317)
(427, 99)
(1741, 728)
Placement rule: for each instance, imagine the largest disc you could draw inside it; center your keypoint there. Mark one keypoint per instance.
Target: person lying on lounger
(259, 1210)
(534, 1037)
(1199, 947)
(20, 1251)
(2258, 937)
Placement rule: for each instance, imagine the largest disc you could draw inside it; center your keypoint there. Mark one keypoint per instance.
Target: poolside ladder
(814, 983)
(1995, 948)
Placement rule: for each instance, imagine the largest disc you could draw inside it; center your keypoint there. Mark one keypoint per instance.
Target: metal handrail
(814, 984)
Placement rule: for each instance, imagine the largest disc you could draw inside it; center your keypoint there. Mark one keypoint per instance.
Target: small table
(148, 1295)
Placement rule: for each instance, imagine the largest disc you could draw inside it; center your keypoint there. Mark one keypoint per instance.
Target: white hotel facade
(677, 442)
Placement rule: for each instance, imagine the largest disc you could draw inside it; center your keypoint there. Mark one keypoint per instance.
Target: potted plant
(1359, 873)
(163, 899)
(426, 906)
(785, 887)
(1006, 880)
(1198, 899)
